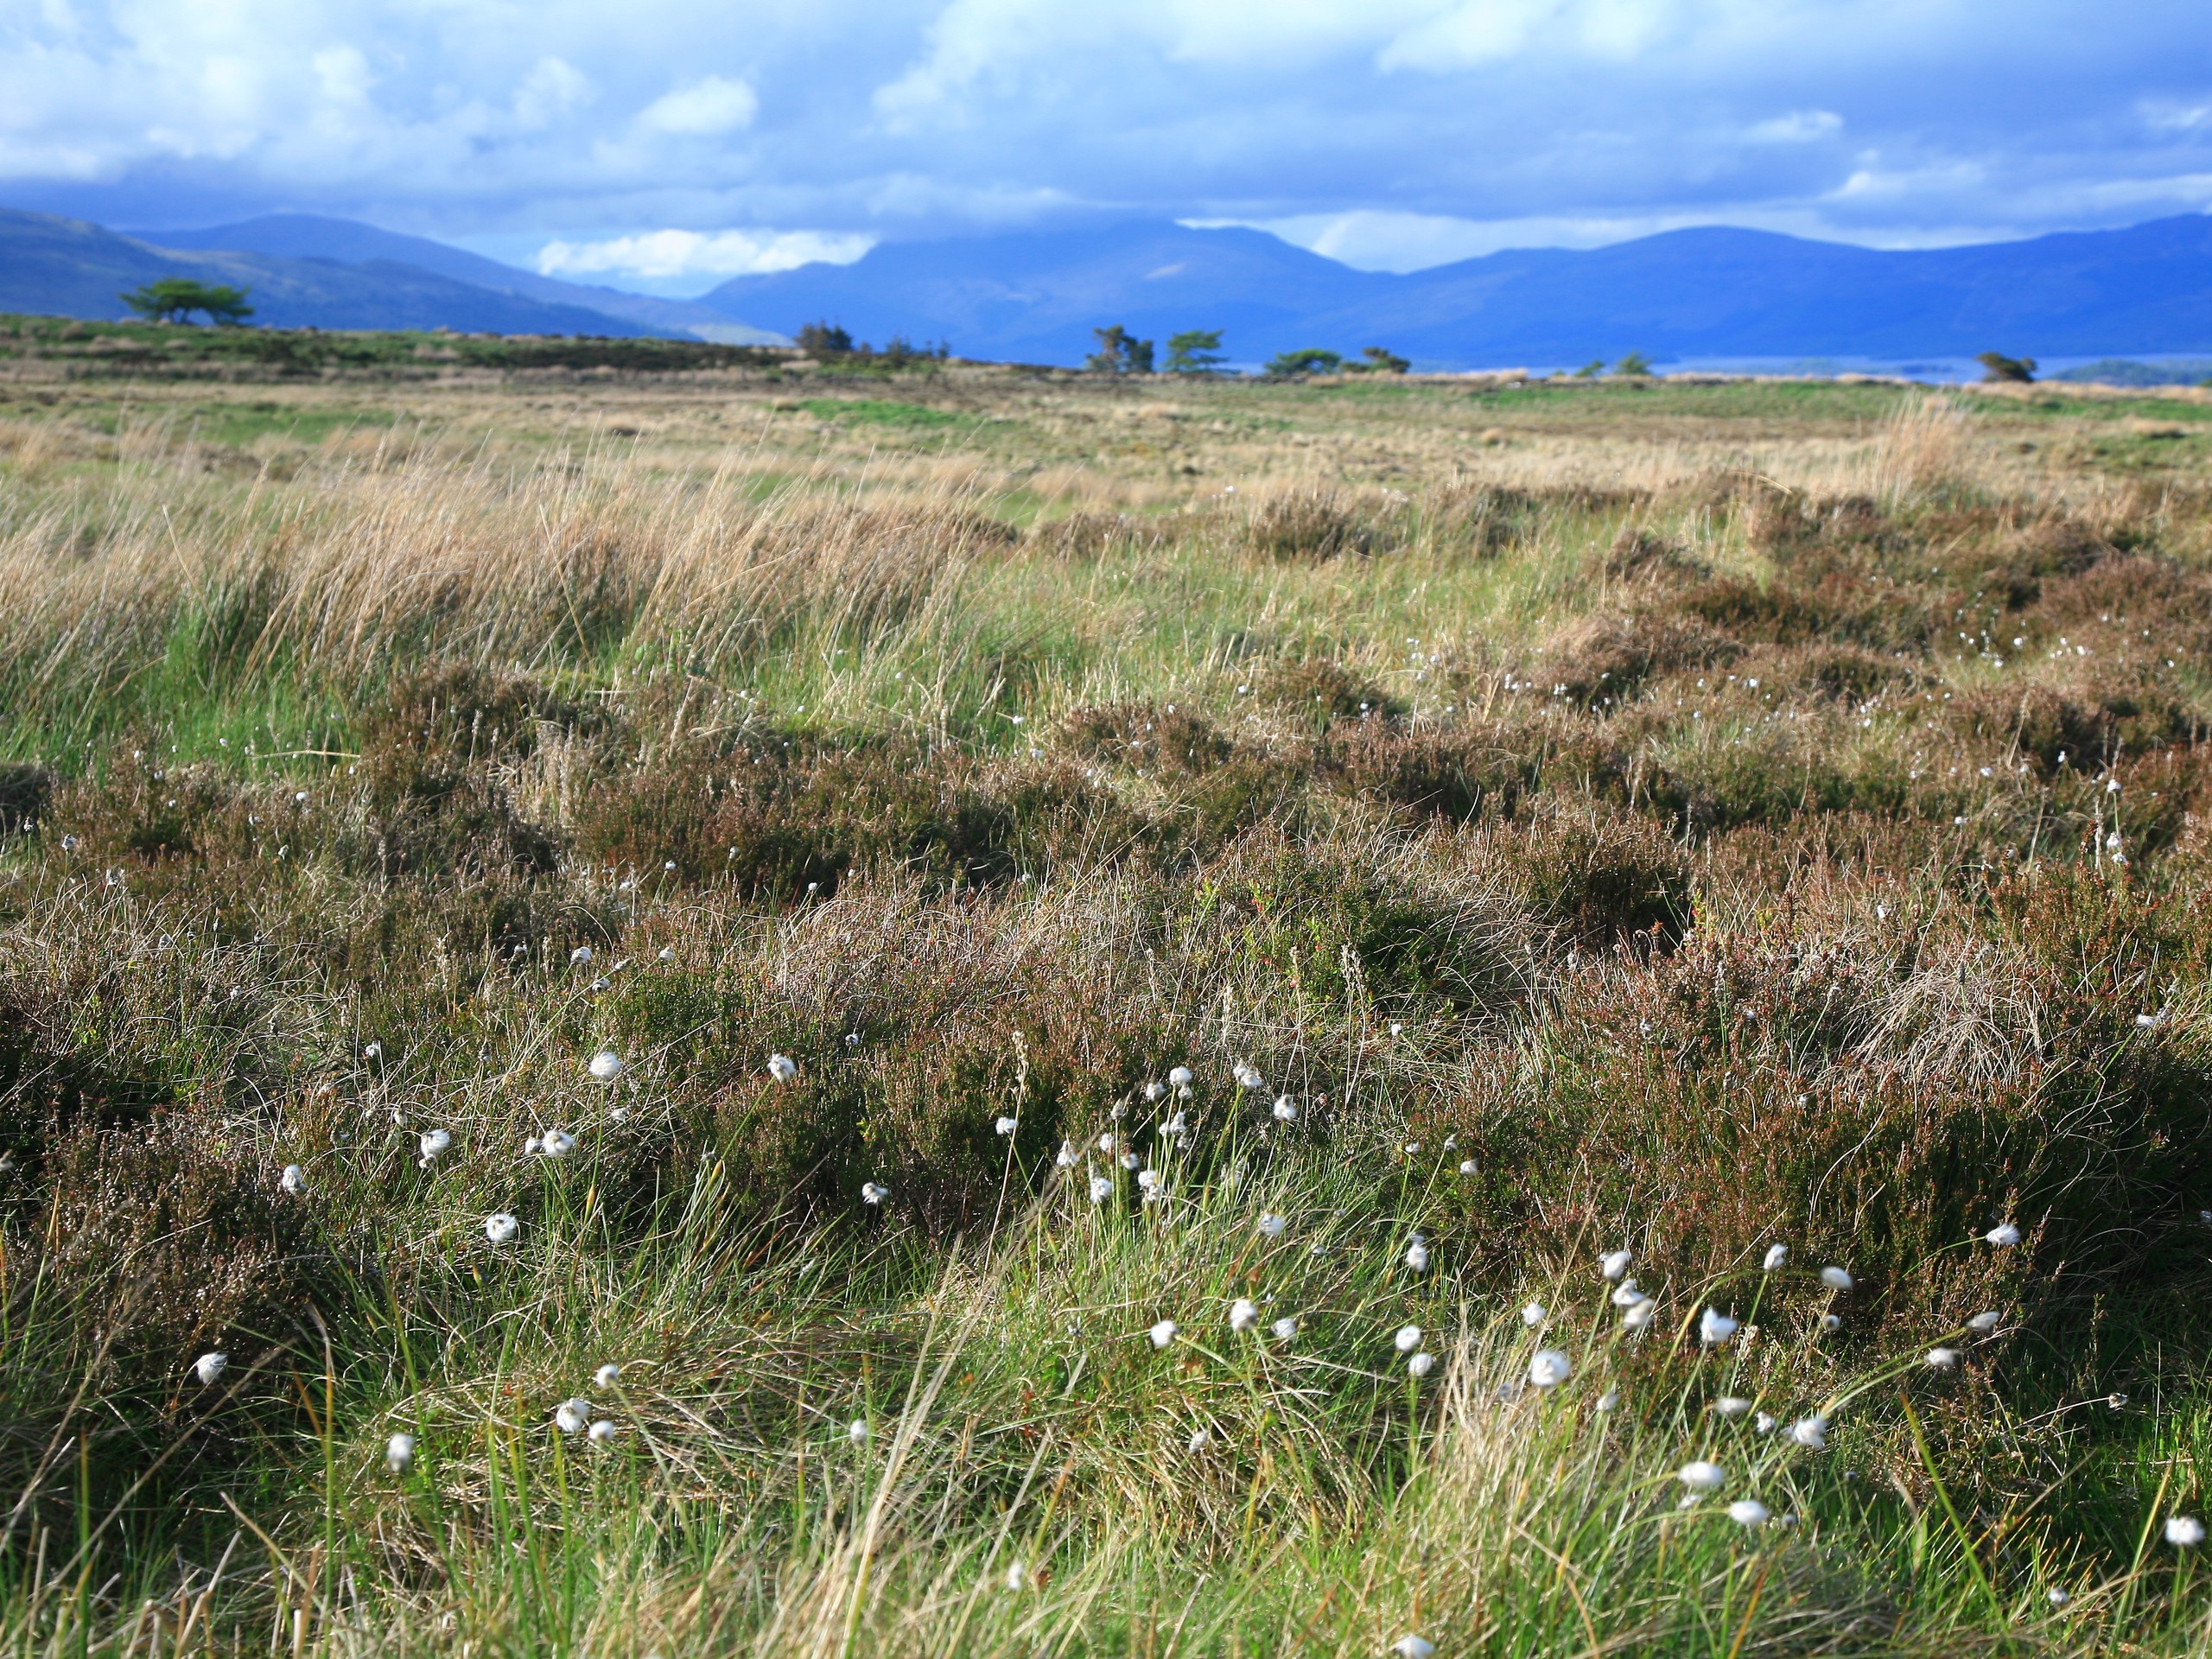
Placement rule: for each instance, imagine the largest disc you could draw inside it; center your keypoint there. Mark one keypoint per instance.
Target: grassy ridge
(1678, 826)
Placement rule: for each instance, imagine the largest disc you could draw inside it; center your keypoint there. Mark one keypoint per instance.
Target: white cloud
(660, 254)
(705, 109)
(551, 90)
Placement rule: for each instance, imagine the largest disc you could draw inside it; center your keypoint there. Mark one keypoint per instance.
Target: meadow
(969, 1012)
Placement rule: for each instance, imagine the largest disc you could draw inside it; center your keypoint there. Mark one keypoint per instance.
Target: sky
(665, 145)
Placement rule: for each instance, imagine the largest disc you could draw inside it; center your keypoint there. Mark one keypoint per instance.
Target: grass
(1681, 821)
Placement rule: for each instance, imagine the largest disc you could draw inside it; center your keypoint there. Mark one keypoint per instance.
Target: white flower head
(1811, 1433)
(1831, 1323)
(571, 1415)
(1638, 1316)
(1102, 1188)
(431, 1143)
(1775, 1256)
(2184, 1531)
(1703, 1475)
(1067, 1156)
(601, 1432)
(1763, 1422)
(1130, 1160)
(1534, 1315)
(1714, 1327)
(1106, 1141)
(873, 1193)
(1549, 1366)
(2004, 1235)
(210, 1367)
(1148, 1178)
(1409, 1338)
(1610, 1399)
(1466, 1166)
(557, 1143)
(1731, 1406)
(1286, 1110)
(1625, 1294)
(668, 953)
(398, 1453)
(1180, 1078)
(293, 1181)
(1271, 1225)
(1285, 1328)
(501, 1227)
(1835, 1278)
(1006, 1126)
(1412, 1647)
(782, 1068)
(606, 1375)
(1247, 1077)
(1982, 1324)
(1155, 1091)
(1421, 1364)
(1942, 1359)
(1200, 1439)
(1417, 1256)
(2057, 1597)
(1162, 1333)
(1748, 1512)
(606, 1065)
(857, 1431)
(1243, 1314)
(1017, 1576)
(1614, 1263)
(580, 955)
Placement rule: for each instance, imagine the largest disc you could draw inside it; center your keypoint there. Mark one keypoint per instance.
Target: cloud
(551, 90)
(660, 254)
(1798, 127)
(705, 109)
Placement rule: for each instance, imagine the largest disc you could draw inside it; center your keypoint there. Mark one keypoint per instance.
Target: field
(968, 1012)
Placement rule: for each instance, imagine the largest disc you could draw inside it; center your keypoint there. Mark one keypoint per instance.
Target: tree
(1119, 353)
(1195, 351)
(1590, 370)
(1381, 360)
(1634, 367)
(825, 339)
(1997, 367)
(173, 299)
(1310, 360)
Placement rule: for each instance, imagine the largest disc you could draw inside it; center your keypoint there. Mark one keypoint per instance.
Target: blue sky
(666, 145)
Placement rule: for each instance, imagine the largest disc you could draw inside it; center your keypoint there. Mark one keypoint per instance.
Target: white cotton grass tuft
(208, 1368)
(1408, 1339)
(1102, 1188)
(581, 957)
(601, 1432)
(1625, 1294)
(606, 1065)
(1005, 1126)
(2057, 1597)
(1155, 1091)
(557, 1143)
(1417, 1255)
(1639, 1316)
(1835, 1278)
(1763, 1423)
(1942, 1359)
(1731, 1406)
(293, 1181)
(1748, 1512)
(1017, 1576)
(1534, 1315)
(399, 1453)
(1243, 1314)
(1271, 1225)
(1179, 1078)
(1466, 1166)
(2004, 1235)
(1714, 1327)
(431, 1143)
(782, 1068)
(1549, 1366)
(1614, 1263)
(1286, 1110)
(500, 1227)
(1147, 1180)
(1163, 1333)
(606, 1375)
(1067, 1156)
(1285, 1328)
(1610, 1399)
(1703, 1475)
(2184, 1531)
(1412, 1647)
(1421, 1364)
(1811, 1432)
(1246, 1077)
(857, 1431)
(1775, 1256)
(571, 1416)
(1200, 1439)
(1982, 1324)
(1831, 1323)
(873, 1193)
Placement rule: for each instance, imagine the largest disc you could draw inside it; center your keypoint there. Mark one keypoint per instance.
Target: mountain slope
(310, 236)
(68, 267)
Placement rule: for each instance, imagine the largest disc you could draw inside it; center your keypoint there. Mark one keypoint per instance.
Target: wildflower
(2056, 1596)
(1748, 1512)
(1413, 1148)
(857, 1431)
(606, 1375)
(1549, 1366)
(1005, 1126)
(1636, 1319)
(1286, 1110)
(1775, 1256)
(1714, 1327)
(1155, 1091)
(1163, 1333)
(431, 1143)
(1179, 1078)
(1763, 1422)
(1130, 1160)
(874, 1193)
(1243, 1314)
(1102, 1188)
(2004, 1235)
(1831, 1323)
(1147, 1179)
(606, 1065)
(1450, 1141)
(1017, 1577)
(2184, 1531)
(529, 1145)
(1421, 1364)
(399, 1452)
(1106, 1142)
(580, 955)
(1703, 1476)
(1466, 1166)
(554, 1143)
(1271, 1225)
(1731, 1406)
(1533, 1315)
(1609, 1399)
(1942, 1359)
(208, 1366)
(668, 953)
(1409, 1338)
(1412, 1647)
(68, 843)
(369, 1051)
(782, 1068)
(570, 1415)
(1199, 1440)
(1285, 1328)
(1417, 1255)
(1811, 1433)
(293, 1181)
(1614, 1263)
(1984, 1323)
(1625, 1294)
(1246, 1077)
(601, 1432)
(1067, 1156)
(501, 1227)
(1835, 1278)
(1177, 1125)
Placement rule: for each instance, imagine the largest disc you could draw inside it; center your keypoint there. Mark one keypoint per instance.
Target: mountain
(1694, 293)
(309, 236)
(68, 267)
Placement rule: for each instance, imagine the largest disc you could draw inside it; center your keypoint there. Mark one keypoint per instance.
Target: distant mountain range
(1036, 295)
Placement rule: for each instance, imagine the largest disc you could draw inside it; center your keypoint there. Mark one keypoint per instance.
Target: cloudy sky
(668, 143)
